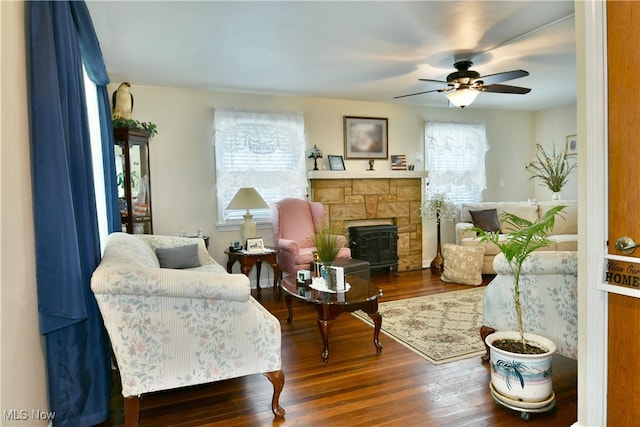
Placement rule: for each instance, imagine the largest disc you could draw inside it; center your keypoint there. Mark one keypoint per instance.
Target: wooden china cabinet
(134, 180)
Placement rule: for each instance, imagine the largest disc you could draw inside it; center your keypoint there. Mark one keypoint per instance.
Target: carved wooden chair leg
(131, 411)
(485, 331)
(277, 379)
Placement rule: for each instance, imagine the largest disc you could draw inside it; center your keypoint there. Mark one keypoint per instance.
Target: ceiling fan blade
(503, 77)
(433, 81)
(505, 89)
(420, 93)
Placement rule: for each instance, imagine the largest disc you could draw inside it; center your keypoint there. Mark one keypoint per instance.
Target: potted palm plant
(553, 168)
(521, 362)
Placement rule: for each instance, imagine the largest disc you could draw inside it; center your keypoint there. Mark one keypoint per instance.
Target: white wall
(182, 163)
(552, 127)
(22, 367)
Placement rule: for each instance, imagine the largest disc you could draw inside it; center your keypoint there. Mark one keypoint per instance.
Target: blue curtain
(108, 160)
(61, 36)
(94, 64)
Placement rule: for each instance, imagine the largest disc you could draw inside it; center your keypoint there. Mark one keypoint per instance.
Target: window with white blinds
(455, 154)
(260, 150)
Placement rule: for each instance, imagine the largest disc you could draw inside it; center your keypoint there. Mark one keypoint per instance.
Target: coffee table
(363, 295)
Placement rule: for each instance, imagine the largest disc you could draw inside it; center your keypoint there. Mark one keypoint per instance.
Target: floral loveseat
(564, 234)
(548, 288)
(172, 328)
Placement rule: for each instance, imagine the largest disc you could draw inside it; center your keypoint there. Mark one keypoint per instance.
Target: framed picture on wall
(572, 143)
(366, 137)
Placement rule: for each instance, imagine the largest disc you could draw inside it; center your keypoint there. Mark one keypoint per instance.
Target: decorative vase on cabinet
(134, 183)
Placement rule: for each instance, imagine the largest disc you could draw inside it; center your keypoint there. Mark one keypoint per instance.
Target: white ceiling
(358, 50)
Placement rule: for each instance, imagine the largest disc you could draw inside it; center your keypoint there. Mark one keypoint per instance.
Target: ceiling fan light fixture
(462, 97)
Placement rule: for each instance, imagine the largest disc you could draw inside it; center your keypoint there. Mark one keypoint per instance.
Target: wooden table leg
(287, 300)
(276, 276)
(258, 268)
(230, 263)
(325, 326)
(377, 321)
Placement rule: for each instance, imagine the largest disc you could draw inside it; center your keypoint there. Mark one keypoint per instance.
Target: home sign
(622, 274)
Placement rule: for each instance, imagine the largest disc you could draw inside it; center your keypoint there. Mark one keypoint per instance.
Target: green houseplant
(520, 356)
(553, 168)
(152, 128)
(522, 238)
(328, 242)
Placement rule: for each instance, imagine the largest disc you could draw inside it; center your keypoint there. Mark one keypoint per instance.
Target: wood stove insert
(377, 244)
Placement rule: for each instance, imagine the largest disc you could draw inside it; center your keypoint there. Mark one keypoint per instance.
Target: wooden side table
(248, 259)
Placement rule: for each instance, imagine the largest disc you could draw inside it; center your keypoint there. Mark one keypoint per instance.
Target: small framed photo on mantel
(366, 138)
(336, 163)
(399, 162)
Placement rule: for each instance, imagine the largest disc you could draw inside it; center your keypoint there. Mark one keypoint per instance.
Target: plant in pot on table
(328, 242)
(521, 362)
(438, 206)
(553, 168)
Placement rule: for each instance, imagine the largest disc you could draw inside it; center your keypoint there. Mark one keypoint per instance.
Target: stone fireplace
(392, 197)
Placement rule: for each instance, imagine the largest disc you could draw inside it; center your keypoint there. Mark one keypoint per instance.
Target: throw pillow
(486, 220)
(178, 257)
(462, 264)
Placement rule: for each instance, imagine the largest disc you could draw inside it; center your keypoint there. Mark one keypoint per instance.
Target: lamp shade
(247, 198)
(462, 97)
(314, 153)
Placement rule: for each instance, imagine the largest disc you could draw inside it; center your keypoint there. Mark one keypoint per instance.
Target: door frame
(592, 218)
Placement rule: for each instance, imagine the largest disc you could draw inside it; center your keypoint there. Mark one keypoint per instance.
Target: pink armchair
(294, 222)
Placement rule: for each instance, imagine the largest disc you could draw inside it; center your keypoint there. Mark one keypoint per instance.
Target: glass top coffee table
(362, 295)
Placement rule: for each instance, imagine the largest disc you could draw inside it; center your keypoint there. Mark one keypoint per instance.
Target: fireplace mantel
(324, 174)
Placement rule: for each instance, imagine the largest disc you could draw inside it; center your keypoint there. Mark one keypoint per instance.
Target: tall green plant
(525, 237)
(328, 242)
(553, 168)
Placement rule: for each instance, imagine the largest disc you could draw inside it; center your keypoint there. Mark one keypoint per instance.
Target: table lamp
(247, 198)
(315, 154)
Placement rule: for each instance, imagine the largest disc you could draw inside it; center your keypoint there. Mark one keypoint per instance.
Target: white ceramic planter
(521, 377)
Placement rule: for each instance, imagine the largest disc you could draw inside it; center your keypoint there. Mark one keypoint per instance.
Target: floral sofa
(564, 234)
(173, 328)
(549, 295)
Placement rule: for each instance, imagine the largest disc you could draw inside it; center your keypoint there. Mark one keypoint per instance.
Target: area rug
(441, 328)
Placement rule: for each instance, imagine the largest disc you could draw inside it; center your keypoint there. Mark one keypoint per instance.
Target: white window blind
(260, 150)
(455, 154)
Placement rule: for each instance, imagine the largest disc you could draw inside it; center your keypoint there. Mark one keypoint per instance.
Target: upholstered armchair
(172, 327)
(294, 222)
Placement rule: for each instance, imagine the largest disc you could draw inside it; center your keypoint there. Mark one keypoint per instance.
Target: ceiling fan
(464, 85)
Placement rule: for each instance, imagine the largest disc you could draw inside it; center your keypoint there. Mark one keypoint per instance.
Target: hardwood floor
(357, 387)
